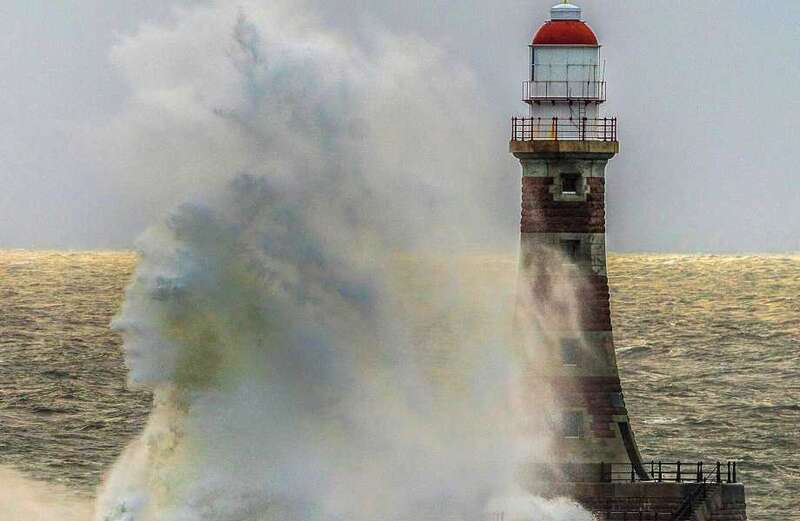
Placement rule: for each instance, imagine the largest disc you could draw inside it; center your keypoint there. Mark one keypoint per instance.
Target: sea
(708, 349)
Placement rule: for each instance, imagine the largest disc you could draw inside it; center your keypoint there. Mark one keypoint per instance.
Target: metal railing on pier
(674, 471)
(568, 129)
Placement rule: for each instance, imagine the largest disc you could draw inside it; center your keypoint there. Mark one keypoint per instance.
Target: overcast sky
(706, 95)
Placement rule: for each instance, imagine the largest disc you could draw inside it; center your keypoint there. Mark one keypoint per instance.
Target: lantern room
(565, 62)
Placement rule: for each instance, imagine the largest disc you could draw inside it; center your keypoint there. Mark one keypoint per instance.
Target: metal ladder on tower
(577, 118)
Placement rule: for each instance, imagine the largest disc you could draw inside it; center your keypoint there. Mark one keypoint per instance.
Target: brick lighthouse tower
(564, 145)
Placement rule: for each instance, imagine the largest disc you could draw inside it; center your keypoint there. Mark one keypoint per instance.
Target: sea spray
(288, 379)
(293, 378)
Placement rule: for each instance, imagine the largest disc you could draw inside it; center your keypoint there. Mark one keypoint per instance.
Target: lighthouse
(564, 144)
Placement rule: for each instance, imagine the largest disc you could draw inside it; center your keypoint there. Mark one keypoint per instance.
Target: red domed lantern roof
(565, 32)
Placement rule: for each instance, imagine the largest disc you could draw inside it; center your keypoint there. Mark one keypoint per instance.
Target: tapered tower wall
(563, 262)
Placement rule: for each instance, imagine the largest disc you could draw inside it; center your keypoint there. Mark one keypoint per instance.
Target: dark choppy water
(707, 345)
(64, 410)
(709, 349)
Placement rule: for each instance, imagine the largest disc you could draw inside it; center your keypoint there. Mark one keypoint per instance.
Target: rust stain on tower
(564, 145)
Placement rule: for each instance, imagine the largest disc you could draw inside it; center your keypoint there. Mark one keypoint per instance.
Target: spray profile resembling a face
(150, 357)
(194, 287)
(154, 301)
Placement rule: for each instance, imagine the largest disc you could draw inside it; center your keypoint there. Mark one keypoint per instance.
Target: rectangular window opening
(569, 183)
(570, 352)
(571, 249)
(573, 424)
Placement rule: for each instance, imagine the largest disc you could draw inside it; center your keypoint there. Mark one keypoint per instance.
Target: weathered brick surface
(541, 213)
(594, 394)
(569, 295)
(606, 507)
(591, 298)
(652, 508)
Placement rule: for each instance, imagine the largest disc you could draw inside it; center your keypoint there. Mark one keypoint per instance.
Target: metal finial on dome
(565, 11)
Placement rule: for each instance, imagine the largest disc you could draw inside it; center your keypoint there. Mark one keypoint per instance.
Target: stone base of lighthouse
(653, 501)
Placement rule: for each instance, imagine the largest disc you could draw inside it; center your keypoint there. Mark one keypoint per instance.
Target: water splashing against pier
(290, 367)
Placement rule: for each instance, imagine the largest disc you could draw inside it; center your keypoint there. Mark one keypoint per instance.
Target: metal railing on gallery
(568, 129)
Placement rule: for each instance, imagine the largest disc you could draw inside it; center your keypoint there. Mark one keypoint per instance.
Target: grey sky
(705, 93)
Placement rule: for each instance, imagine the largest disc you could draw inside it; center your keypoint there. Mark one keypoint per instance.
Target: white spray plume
(305, 366)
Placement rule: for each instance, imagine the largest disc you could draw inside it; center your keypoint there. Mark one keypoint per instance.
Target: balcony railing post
(633, 474)
(555, 129)
(719, 473)
(734, 473)
(660, 475)
(678, 472)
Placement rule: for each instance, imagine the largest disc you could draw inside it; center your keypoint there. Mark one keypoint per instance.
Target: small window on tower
(569, 183)
(571, 248)
(570, 351)
(573, 424)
